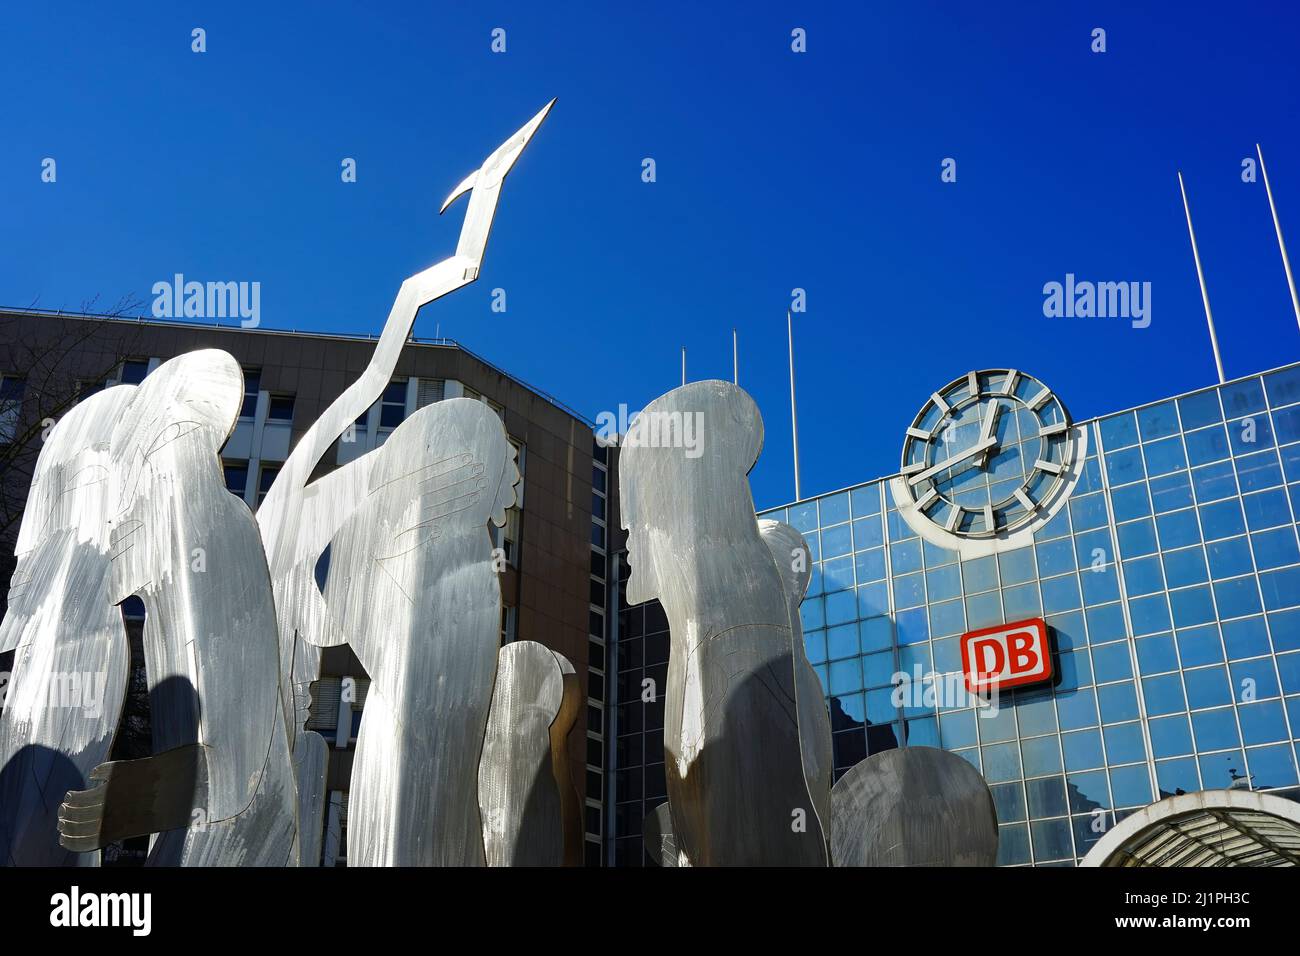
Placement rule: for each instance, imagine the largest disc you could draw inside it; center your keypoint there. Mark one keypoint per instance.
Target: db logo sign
(1008, 655)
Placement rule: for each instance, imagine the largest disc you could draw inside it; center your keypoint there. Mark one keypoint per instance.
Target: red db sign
(1008, 655)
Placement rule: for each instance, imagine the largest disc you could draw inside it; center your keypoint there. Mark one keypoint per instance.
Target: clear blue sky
(775, 170)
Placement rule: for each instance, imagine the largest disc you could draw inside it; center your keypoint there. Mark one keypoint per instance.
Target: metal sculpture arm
(129, 798)
(278, 512)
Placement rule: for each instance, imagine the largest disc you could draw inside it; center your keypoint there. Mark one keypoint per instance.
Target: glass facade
(1170, 580)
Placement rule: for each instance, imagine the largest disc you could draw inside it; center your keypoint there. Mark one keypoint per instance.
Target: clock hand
(986, 431)
(979, 447)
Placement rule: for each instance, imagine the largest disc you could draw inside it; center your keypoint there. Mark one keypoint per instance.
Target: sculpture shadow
(32, 785)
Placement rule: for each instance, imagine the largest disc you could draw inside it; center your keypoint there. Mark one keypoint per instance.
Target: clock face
(987, 452)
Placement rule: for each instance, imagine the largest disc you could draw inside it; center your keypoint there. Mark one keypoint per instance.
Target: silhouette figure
(221, 772)
(736, 787)
(413, 588)
(518, 795)
(790, 552)
(72, 658)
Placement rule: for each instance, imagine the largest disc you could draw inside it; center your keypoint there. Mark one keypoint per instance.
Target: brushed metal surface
(561, 727)
(657, 836)
(735, 778)
(65, 692)
(219, 788)
(915, 806)
(412, 584)
(298, 520)
(793, 561)
(518, 796)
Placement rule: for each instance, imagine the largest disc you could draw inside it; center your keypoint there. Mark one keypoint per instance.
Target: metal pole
(1205, 296)
(735, 359)
(794, 416)
(1277, 225)
(683, 364)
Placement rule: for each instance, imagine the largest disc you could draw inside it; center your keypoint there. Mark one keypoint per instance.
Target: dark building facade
(554, 540)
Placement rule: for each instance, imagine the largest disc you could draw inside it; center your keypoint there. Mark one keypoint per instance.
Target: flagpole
(735, 359)
(1277, 226)
(683, 364)
(1200, 275)
(794, 416)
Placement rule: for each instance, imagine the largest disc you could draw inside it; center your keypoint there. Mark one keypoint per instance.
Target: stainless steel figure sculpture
(219, 788)
(298, 520)
(69, 674)
(561, 727)
(790, 552)
(517, 792)
(918, 806)
(418, 548)
(736, 786)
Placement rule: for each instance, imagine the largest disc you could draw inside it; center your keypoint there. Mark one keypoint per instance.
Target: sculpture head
(448, 469)
(790, 552)
(70, 484)
(683, 479)
(165, 470)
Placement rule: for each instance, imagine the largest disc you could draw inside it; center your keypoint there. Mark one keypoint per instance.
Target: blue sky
(775, 170)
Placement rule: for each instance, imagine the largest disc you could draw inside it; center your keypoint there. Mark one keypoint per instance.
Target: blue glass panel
(1156, 654)
(1214, 482)
(1131, 786)
(1164, 456)
(1254, 680)
(1149, 614)
(1220, 770)
(1041, 755)
(815, 644)
(834, 508)
(980, 574)
(1009, 802)
(943, 583)
(1266, 509)
(1132, 501)
(1171, 736)
(1245, 638)
(1111, 662)
(1272, 767)
(1106, 623)
(1207, 687)
(1262, 723)
(1222, 520)
(1200, 409)
(1124, 743)
(1157, 421)
(957, 729)
(1036, 713)
(1137, 538)
(1237, 598)
(1119, 430)
(1118, 702)
(1207, 445)
(1051, 839)
(870, 565)
(1163, 694)
(1013, 845)
(1046, 797)
(1185, 567)
(1171, 492)
(1257, 472)
(1077, 709)
(947, 618)
(1283, 386)
(1280, 588)
(1001, 762)
(1200, 645)
(1274, 549)
(1285, 628)
(1088, 512)
(1088, 791)
(1288, 668)
(1060, 594)
(1241, 398)
(842, 641)
(1229, 558)
(912, 626)
(1192, 606)
(1055, 557)
(1100, 587)
(866, 500)
(836, 541)
(1250, 434)
(868, 533)
(1176, 777)
(1082, 750)
(1215, 729)
(1179, 529)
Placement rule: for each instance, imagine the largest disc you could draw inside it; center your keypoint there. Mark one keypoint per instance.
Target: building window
(509, 627)
(265, 480)
(252, 384)
(11, 407)
(392, 406)
(281, 409)
(236, 477)
(428, 391)
(133, 371)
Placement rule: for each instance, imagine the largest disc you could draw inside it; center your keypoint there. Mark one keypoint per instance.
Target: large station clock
(987, 454)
